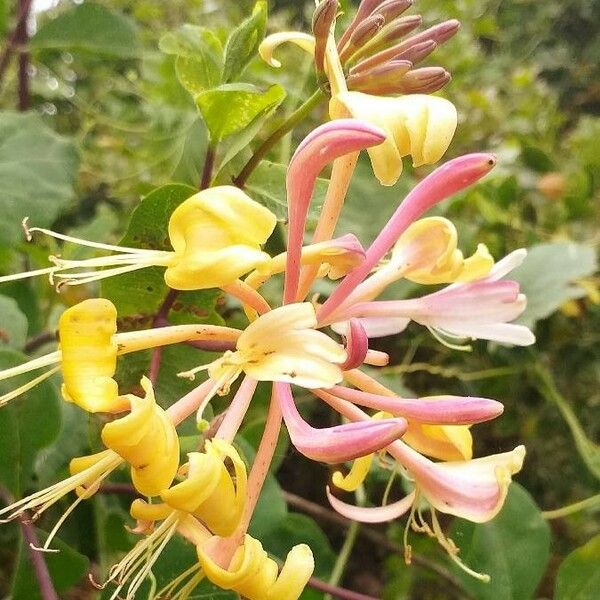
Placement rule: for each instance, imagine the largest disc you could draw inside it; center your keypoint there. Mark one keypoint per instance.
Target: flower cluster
(321, 345)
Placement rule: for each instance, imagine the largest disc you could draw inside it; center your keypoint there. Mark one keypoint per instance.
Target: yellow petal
(89, 355)
(356, 476)
(416, 124)
(209, 492)
(444, 442)
(147, 440)
(268, 46)
(216, 235)
(297, 570)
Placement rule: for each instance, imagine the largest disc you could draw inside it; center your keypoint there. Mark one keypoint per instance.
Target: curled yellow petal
(427, 253)
(89, 355)
(209, 492)
(147, 440)
(253, 574)
(216, 235)
(360, 467)
(416, 124)
(272, 42)
(295, 573)
(356, 476)
(444, 442)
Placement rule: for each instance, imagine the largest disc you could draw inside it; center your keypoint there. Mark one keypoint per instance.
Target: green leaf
(231, 108)
(243, 42)
(66, 568)
(193, 152)
(535, 158)
(300, 529)
(92, 28)
(513, 549)
(199, 55)
(13, 327)
(547, 275)
(138, 296)
(3, 17)
(578, 576)
(29, 423)
(267, 185)
(37, 170)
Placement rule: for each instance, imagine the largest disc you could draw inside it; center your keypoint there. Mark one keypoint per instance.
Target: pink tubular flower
(437, 410)
(478, 309)
(446, 180)
(319, 148)
(335, 444)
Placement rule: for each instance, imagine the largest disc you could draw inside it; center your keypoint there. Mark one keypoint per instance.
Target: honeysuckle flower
(255, 576)
(216, 236)
(207, 502)
(339, 443)
(88, 350)
(471, 489)
(418, 125)
(480, 309)
(147, 440)
(427, 253)
(281, 345)
(451, 177)
(209, 492)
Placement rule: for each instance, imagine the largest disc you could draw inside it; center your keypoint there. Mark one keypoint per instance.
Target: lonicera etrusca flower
(145, 438)
(207, 503)
(88, 349)
(369, 64)
(216, 237)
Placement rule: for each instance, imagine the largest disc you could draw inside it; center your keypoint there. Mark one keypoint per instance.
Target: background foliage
(126, 97)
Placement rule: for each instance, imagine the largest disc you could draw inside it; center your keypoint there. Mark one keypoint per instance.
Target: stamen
(6, 398)
(195, 575)
(67, 238)
(453, 551)
(26, 274)
(144, 554)
(43, 499)
(408, 526)
(32, 365)
(87, 277)
(438, 335)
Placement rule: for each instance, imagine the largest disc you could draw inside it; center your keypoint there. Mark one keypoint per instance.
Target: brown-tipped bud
(424, 81)
(400, 27)
(362, 34)
(365, 8)
(417, 52)
(438, 33)
(323, 19)
(390, 33)
(380, 77)
(391, 9)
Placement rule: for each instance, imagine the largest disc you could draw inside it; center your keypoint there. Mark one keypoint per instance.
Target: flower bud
(323, 19)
